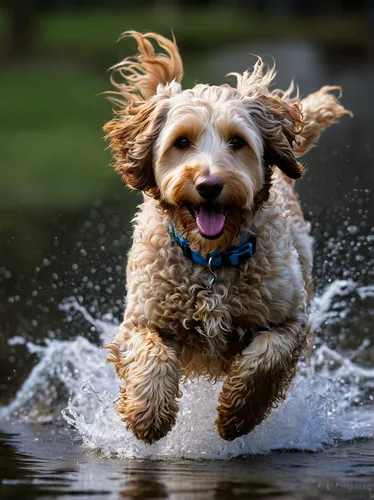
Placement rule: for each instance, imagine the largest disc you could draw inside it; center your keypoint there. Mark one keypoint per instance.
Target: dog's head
(205, 154)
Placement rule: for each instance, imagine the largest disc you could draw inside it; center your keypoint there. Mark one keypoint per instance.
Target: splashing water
(324, 403)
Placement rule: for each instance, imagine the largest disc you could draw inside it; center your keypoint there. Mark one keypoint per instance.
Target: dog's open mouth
(210, 219)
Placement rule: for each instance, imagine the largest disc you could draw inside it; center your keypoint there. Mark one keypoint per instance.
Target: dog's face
(207, 163)
(200, 152)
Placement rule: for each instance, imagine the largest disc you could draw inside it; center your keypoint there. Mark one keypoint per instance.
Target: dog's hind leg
(259, 378)
(150, 370)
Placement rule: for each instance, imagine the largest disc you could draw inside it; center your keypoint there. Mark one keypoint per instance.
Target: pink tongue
(209, 222)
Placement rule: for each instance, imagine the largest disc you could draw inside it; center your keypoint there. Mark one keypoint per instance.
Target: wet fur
(251, 329)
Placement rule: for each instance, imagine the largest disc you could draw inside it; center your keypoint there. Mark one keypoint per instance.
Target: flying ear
(279, 123)
(278, 119)
(131, 139)
(148, 80)
(320, 110)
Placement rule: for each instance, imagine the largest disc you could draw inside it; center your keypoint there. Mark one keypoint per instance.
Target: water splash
(325, 401)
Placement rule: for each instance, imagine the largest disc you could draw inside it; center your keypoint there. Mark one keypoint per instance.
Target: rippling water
(325, 404)
(48, 462)
(329, 405)
(61, 435)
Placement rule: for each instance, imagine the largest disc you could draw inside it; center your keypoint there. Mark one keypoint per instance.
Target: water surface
(48, 462)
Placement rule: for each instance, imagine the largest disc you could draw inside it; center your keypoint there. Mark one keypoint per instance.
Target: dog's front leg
(259, 377)
(150, 370)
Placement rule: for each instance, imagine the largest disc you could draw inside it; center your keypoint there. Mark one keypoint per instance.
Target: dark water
(47, 462)
(48, 257)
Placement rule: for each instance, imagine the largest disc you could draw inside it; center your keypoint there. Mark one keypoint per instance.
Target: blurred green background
(64, 214)
(55, 56)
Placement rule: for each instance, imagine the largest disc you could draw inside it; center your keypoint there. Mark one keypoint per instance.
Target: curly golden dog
(219, 274)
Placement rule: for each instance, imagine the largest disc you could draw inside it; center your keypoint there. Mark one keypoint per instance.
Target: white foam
(324, 403)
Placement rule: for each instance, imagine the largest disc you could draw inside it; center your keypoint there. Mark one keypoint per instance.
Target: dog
(219, 276)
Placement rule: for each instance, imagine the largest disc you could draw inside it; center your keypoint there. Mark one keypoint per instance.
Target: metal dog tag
(208, 276)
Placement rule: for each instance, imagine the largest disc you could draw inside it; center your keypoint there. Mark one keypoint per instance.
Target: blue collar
(233, 255)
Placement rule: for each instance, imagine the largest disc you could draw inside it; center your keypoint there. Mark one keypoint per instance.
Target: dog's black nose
(209, 187)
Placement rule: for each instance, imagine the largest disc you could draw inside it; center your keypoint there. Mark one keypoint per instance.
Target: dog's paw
(237, 413)
(149, 433)
(148, 423)
(235, 424)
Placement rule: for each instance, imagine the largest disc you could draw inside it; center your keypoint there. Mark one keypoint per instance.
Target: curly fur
(251, 328)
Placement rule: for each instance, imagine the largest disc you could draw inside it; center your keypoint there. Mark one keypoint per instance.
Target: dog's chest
(212, 313)
(180, 300)
(219, 311)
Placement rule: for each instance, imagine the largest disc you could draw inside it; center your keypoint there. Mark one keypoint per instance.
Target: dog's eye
(182, 142)
(236, 142)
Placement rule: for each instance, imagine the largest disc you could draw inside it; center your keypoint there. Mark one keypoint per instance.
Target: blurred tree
(22, 20)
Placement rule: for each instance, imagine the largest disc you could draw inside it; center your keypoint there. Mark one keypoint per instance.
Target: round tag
(208, 278)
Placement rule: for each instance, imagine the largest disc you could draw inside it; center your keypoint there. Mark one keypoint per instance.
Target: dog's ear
(148, 81)
(277, 115)
(320, 110)
(280, 122)
(131, 140)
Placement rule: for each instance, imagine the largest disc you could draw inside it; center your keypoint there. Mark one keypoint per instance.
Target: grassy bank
(52, 152)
